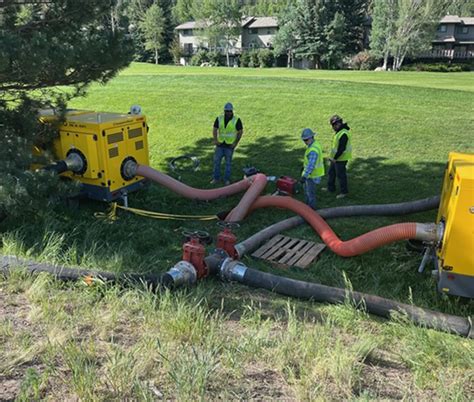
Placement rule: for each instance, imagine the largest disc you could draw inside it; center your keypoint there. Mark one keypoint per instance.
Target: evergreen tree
(153, 30)
(335, 35)
(43, 49)
(310, 23)
(355, 13)
(183, 11)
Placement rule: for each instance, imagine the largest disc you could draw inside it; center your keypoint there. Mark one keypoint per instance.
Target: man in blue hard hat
(227, 132)
(313, 166)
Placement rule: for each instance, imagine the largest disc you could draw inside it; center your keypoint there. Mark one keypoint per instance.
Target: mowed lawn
(228, 341)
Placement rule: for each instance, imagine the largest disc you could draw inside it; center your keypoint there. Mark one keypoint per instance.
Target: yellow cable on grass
(111, 215)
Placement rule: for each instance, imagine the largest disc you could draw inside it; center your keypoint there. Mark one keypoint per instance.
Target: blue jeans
(310, 191)
(219, 153)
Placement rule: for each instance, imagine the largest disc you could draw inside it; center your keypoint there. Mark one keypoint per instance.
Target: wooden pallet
(287, 252)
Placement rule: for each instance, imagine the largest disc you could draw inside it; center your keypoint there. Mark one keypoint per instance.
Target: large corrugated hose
(253, 184)
(236, 271)
(359, 245)
(403, 208)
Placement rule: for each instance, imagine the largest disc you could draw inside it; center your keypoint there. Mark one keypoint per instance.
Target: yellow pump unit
(102, 143)
(455, 252)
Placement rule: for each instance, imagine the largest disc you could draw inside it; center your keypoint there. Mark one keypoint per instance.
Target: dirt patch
(259, 383)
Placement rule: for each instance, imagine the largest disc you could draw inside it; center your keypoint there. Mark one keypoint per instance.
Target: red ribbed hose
(350, 248)
(191, 192)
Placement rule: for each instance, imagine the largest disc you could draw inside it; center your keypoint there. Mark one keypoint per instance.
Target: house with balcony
(454, 39)
(255, 33)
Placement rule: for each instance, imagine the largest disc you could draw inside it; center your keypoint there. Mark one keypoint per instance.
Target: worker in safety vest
(227, 132)
(341, 153)
(313, 166)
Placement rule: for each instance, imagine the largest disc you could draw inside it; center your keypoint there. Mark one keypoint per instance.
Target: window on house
(254, 31)
(465, 30)
(188, 48)
(269, 31)
(442, 28)
(187, 32)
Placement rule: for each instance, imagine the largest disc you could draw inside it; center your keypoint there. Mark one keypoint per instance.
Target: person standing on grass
(227, 132)
(341, 153)
(313, 166)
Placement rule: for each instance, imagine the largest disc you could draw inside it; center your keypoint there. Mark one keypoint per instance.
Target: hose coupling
(232, 270)
(76, 161)
(183, 273)
(128, 170)
(427, 232)
(240, 250)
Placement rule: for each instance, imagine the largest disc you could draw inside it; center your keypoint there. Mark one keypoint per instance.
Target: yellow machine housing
(105, 141)
(455, 253)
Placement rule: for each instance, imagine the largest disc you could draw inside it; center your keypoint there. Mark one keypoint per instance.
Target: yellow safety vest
(227, 134)
(318, 170)
(347, 154)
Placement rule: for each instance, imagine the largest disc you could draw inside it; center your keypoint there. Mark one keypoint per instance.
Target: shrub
(363, 61)
(437, 67)
(265, 58)
(253, 62)
(215, 58)
(200, 57)
(245, 59)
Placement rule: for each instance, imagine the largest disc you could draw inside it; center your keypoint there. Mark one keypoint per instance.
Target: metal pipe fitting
(183, 273)
(129, 169)
(74, 162)
(232, 271)
(427, 232)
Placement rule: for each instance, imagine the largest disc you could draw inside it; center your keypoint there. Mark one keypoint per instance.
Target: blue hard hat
(307, 134)
(228, 106)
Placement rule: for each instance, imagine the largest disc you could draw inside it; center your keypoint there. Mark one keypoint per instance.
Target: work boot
(227, 182)
(339, 196)
(214, 181)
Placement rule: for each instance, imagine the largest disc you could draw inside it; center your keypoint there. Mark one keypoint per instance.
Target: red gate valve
(194, 251)
(226, 239)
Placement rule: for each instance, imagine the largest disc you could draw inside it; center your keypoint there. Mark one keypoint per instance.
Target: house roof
(264, 22)
(190, 25)
(454, 19)
(203, 23)
(468, 20)
(450, 19)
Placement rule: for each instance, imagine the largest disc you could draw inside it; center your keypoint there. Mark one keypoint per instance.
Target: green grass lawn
(227, 341)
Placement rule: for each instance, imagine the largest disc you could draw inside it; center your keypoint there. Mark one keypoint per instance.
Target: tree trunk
(288, 61)
(385, 62)
(227, 57)
(156, 56)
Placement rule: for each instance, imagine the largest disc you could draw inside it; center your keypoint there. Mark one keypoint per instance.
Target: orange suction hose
(191, 192)
(242, 208)
(350, 248)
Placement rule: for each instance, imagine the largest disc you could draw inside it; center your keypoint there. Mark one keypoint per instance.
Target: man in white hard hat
(313, 166)
(227, 132)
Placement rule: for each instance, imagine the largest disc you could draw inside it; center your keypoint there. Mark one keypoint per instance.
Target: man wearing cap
(313, 166)
(227, 132)
(341, 153)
